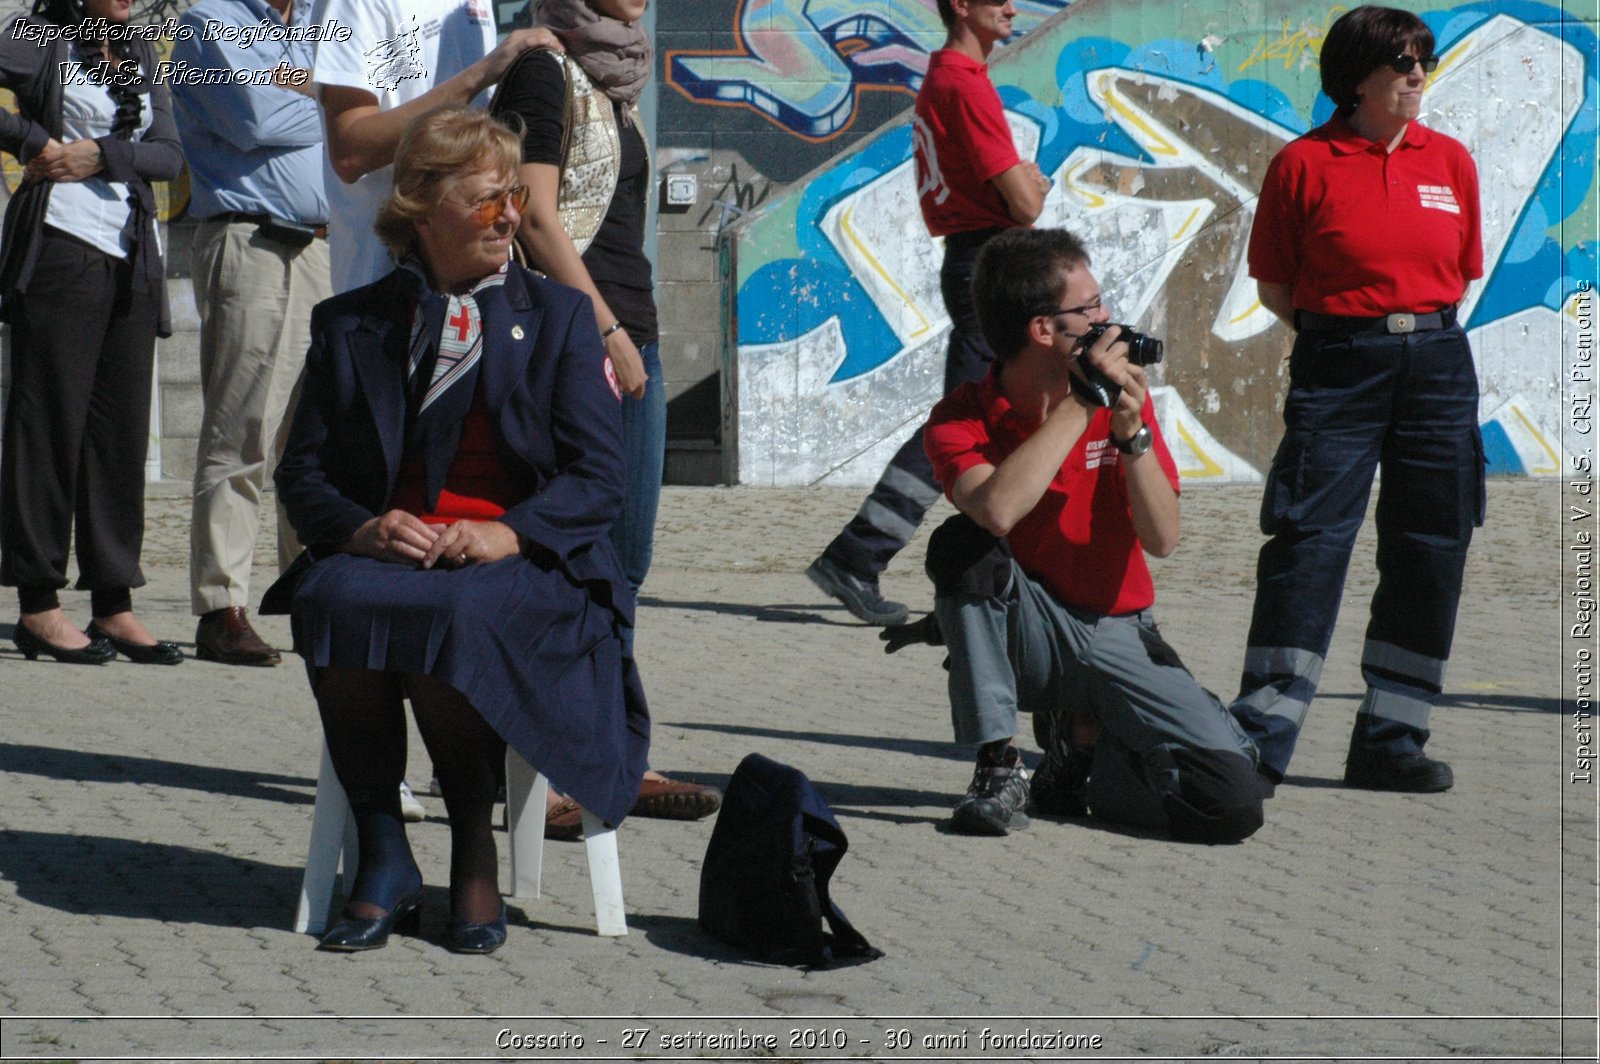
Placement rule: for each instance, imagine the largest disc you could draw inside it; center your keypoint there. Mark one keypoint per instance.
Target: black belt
(1395, 324)
(240, 217)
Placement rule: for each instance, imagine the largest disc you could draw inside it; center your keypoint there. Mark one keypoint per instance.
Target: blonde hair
(435, 150)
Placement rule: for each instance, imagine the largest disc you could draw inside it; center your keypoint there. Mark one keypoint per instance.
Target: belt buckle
(1401, 323)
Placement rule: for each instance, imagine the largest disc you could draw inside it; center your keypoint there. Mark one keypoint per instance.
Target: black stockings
(363, 716)
(467, 754)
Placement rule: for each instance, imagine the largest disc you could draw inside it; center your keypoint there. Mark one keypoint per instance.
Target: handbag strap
(520, 254)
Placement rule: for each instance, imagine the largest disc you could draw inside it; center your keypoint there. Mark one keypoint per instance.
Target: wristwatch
(1134, 445)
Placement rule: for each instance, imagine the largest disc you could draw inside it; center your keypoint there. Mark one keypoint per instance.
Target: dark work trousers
(1407, 405)
(77, 425)
(904, 493)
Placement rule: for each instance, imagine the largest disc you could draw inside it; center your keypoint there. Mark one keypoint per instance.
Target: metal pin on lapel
(516, 332)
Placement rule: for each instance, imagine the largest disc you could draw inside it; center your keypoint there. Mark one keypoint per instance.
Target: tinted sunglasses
(1402, 64)
(487, 209)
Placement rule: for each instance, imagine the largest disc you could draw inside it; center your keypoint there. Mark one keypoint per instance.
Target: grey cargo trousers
(1170, 756)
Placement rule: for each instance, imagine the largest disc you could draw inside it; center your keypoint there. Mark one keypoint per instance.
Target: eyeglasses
(1402, 64)
(487, 208)
(1086, 309)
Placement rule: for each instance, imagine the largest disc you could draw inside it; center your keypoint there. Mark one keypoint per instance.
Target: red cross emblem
(462, 322)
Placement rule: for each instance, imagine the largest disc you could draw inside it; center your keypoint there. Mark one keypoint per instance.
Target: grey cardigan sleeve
(20, 62)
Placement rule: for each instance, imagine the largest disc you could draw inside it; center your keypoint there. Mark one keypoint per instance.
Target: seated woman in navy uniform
(454, 468)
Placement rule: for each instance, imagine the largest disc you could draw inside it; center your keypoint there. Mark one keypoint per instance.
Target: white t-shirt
(398, 50)
(94, 210)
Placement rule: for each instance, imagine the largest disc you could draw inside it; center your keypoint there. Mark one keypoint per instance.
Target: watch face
(1136, 444)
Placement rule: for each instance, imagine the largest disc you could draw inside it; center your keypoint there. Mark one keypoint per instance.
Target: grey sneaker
(993, 803)
(859, 596)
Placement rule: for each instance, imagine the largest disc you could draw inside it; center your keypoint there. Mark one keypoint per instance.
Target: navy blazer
(557, 424)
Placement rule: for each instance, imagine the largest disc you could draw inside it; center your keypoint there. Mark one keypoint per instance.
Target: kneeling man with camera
(1042, 593)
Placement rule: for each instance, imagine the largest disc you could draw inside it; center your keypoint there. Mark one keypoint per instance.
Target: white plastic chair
(333, 833)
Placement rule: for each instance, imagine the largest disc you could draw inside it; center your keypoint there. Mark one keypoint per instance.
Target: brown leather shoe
(667, 799)
(225, 637)
(563, 821)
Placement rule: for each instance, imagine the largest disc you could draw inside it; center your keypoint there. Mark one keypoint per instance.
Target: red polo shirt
(1364, 232)
(1079, 540)
(961, 141)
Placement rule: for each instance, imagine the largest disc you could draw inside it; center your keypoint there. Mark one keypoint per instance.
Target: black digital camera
(1143, 350)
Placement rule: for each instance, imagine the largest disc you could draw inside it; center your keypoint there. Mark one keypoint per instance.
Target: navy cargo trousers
(1364, 399)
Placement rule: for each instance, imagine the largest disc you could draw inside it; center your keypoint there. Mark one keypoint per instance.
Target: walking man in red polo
(971, 185)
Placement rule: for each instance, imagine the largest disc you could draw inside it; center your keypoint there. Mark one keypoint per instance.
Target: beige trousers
(255, 297)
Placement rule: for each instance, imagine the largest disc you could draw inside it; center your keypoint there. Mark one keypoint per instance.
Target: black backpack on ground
(764, 883)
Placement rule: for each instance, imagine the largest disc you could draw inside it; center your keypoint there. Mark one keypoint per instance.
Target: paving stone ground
(154, 824)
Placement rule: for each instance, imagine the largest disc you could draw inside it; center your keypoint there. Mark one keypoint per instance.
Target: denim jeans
(644, 441)
(1407, 404)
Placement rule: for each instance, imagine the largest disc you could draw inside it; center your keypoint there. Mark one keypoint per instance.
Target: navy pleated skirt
(532, 651)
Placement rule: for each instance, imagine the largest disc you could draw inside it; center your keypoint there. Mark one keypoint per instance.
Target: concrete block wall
(178, 378)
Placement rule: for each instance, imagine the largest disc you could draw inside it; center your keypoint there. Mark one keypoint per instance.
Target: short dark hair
(947, 14)
(1017, 278)
(1362, 40)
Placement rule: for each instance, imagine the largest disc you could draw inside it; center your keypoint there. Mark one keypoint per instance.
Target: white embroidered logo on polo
(1439, 197)
(1099, 453)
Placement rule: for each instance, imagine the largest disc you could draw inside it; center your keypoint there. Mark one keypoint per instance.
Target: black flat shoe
(158, 653)
(477, 938)
(352, 936)
(98, 652)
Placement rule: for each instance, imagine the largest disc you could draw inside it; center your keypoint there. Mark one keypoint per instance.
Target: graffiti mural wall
(753, 95)
(1156, 120)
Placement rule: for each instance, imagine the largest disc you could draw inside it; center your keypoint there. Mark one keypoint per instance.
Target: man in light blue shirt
(260, 263)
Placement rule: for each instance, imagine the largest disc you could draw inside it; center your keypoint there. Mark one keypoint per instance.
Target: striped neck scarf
(442, 368)
(450, 327)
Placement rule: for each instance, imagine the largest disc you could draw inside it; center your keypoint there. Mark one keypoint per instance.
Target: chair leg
(526, 791)
(605, 876)
(332, 829)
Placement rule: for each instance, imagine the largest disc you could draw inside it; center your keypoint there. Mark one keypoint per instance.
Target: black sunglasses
(1402, 64)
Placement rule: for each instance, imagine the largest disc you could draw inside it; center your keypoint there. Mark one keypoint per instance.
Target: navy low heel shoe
(350, 935)
(477, 938)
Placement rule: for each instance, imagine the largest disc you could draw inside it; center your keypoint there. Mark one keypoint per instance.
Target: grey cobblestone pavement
(154, 826)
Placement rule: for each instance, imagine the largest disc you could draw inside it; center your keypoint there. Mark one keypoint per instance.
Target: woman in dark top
(597, 247)
(584, 226)
(454, 469)
(81, 286)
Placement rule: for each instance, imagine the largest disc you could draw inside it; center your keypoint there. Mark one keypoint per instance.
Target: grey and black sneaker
(859, 596)
(993, 803)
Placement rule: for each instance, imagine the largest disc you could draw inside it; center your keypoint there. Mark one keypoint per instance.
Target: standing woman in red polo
(1366, 237)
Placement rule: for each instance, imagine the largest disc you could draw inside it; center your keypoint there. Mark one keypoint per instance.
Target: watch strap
(1136, 444)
